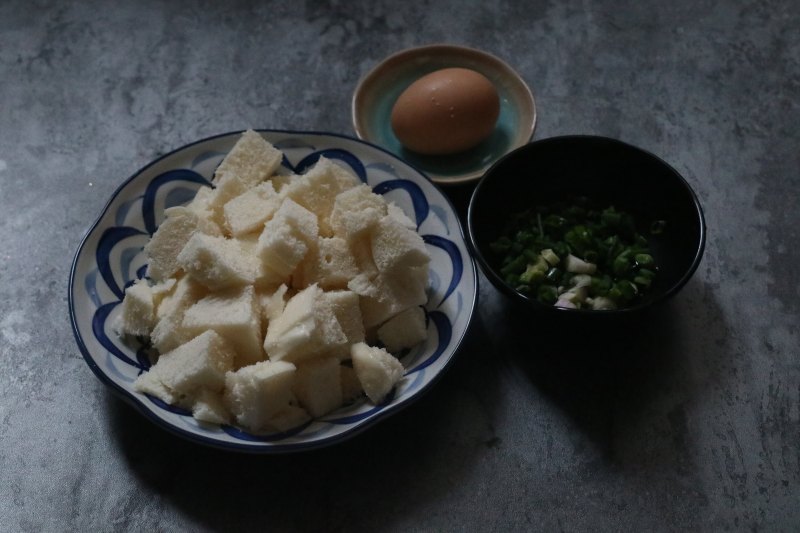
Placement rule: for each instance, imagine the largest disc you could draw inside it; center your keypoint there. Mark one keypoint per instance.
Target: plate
(110, 257)
(377, 92)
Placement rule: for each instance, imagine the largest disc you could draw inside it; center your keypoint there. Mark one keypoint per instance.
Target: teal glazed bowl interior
(609, 172)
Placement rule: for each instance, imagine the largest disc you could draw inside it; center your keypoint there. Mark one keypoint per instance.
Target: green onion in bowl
(577, 255)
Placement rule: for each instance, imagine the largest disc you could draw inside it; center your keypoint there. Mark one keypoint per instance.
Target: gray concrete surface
(690, 423)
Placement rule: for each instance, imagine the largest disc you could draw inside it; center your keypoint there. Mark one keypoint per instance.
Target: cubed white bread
(257, 394)
(390, 293)
(185, 292)
(252, 159)
(208, 407)
(404, 330)
(346, 178)
(272, 303)
(217, 262)
(227, 187)
(318, 385)
(316, 190)
(355, 211)
(361, 248)
(307, 328)
(394, 246)
(351, 386)
(150, 383)
(365, 285)
(169, 239)
(266, 279)
(394, 211)
(201, 203)
(287, 237)
(346, 308)
(330, 264)
(280, 251)
(289, 418)
(179, 375)
(377, 370)
(162, 289)
(169, 332)
(249, 212)
(137, 314)
(234, 314)
(303, 222)
(280, 181)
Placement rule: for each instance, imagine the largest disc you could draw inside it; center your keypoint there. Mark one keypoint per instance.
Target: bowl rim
(262, 448)
(520, 298)
(401, 56)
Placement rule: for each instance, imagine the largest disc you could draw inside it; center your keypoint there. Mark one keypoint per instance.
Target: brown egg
(446, 111)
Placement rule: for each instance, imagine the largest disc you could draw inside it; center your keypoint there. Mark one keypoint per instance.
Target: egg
(446, 111)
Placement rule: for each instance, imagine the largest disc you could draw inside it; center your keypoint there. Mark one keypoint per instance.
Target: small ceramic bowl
(608, 171)
(110, 257)
(377, 92)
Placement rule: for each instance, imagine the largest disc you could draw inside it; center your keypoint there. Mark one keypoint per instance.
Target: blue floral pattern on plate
(110, 257)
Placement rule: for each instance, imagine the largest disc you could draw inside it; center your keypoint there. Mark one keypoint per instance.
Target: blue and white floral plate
(110, 257)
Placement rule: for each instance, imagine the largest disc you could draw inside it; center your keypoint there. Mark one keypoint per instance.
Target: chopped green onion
(603, 261)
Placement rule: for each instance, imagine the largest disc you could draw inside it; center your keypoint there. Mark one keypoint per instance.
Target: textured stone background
(693, 422)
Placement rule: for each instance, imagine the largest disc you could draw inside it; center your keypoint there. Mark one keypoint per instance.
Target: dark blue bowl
(608, 171)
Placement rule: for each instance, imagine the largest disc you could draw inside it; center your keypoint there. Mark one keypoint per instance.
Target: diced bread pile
(269, 296)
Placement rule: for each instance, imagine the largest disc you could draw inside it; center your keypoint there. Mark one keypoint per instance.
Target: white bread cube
(306, 329)
(289, 418)
(217, 262)
(138, 315)
(345, 177)
(257, 394)
(252, 159)
(169, 239)
(303, 222)
(329, 264)
(365, 286)
(266, 279)
(361, 248)
(377, 370)
(355, 211)
(404, 330)
(201, 203)
(394, 211)
(162, 289)
(169, 332)
(318, 385)
(346, 308)
(185, 292)
(272, 303)
(150, 383)
(227, 187)
(234, 314)
(178, 375)
(390, 293)
(287, 237)
(208, 407)
(351, 386)
(316, 190)
(249, 212)
(280, 251)
(394, 246)
(280, 181)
